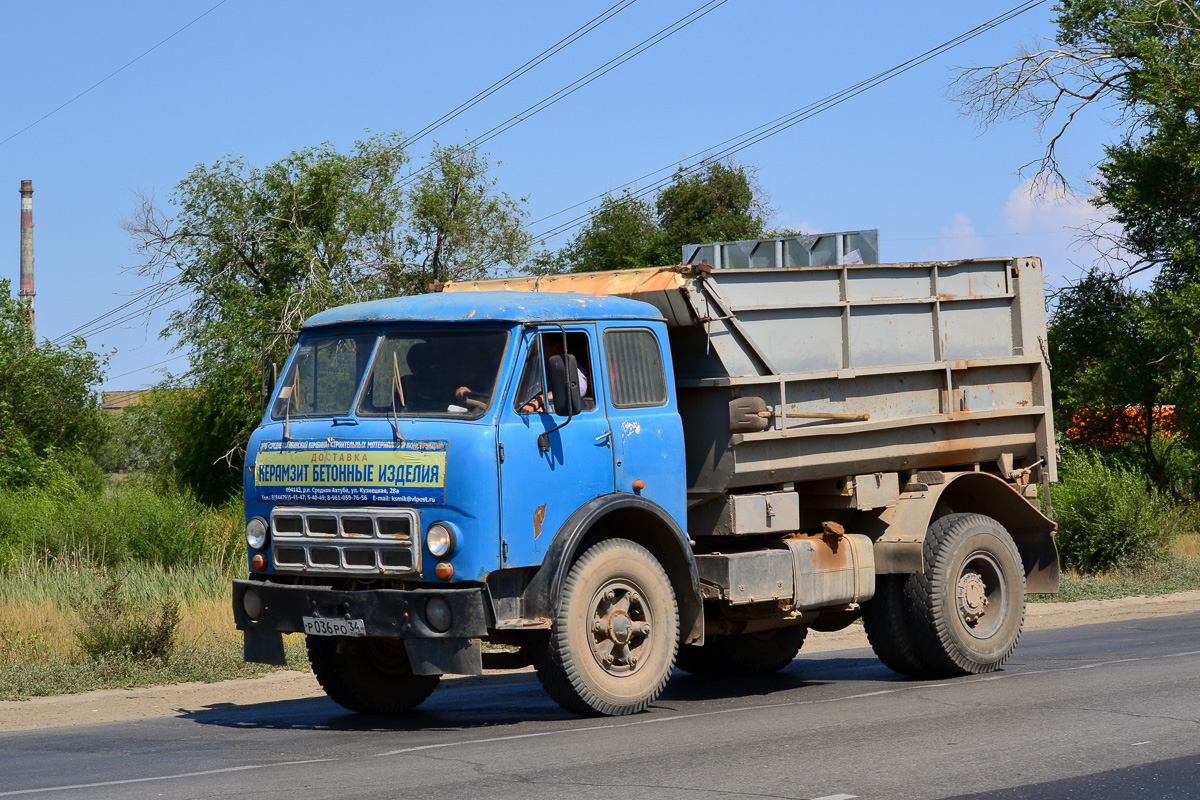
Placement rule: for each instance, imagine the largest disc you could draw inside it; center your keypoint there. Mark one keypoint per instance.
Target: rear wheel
(744, 653)
(969, 604)
(612, 645)
(888, 620)
(370, 676)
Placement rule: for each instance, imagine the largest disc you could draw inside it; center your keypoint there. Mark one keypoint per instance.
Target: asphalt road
(1097, 712)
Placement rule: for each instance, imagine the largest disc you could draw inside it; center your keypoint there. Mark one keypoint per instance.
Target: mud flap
(441, 656)
(263, 647)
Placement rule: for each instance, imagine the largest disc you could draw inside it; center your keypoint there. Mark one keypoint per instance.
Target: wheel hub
(620, 628)
(972, 597)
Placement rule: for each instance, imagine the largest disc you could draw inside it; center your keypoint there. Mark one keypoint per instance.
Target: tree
(459, 228)
(258, 250)
(619, 234)
(48, 406)
(1107, 385)
(717, 203)
(1141, 57)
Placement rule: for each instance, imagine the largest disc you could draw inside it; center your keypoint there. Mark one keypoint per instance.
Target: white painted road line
(162, 777)
(837, 797)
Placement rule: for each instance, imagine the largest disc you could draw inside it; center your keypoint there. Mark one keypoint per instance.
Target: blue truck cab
(417, 487)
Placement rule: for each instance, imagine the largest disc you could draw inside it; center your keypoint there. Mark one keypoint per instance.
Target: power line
(736, 144)
(568, 90)
(552, 50)
(87, 332)
(112, 74)
(148, 366)
(143, 294)
(541, 105)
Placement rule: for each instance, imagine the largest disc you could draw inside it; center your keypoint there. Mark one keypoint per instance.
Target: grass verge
(40, 617)
(1165, 576)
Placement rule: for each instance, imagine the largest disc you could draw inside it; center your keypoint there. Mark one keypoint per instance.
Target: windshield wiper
(397, 389)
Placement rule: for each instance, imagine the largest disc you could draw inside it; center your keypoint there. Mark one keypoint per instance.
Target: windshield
(324, 376)
(435, 373)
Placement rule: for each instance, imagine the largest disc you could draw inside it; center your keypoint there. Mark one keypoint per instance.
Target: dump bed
(812, 373)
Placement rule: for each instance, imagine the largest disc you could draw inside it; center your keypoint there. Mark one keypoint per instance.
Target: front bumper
(385, 613)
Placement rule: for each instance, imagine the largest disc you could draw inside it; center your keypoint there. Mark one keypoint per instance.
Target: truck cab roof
(491, 306)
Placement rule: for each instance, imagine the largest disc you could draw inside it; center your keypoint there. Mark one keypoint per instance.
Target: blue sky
(259, 79)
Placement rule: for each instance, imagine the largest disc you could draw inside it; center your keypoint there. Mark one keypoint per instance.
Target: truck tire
(370, 676)
(743, 653)
(612, 645)
(888, 622)
(970, 601)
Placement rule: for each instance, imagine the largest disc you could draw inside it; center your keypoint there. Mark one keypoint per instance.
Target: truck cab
(422, 467)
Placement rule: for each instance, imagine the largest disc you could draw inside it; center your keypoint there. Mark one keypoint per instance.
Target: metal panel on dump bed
(860, 368)
(806, 250)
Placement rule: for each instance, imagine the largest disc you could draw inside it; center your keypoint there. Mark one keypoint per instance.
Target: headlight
(256, 533)
(440, 539)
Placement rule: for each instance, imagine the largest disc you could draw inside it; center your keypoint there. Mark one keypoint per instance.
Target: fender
(899, 531)
(626, 516)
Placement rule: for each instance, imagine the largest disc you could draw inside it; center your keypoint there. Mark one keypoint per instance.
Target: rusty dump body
(811, 374)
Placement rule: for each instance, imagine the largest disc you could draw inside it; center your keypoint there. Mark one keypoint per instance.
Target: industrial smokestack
(27, 289)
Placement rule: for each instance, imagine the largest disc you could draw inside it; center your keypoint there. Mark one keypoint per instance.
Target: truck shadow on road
(508, 700)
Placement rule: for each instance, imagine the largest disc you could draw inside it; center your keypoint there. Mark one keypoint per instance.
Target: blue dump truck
(615, 475)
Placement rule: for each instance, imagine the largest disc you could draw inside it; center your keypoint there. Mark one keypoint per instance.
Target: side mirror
(564, 385)
(269, 379)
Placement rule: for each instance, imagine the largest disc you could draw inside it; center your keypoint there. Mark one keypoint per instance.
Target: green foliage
(1173, 323)
(48, 409)
(715, 204)
(261, 249)
(134, 442)
(21, 679)
(1108, 516)
(1165, 575)
(1127, 372)
(1142, 59)
(460, 228)
(133, 522)
(620, 234)
(116, 625)
(1151, 177)
(1108, 387)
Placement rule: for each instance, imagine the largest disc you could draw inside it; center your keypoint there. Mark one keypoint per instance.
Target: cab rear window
(635, 368)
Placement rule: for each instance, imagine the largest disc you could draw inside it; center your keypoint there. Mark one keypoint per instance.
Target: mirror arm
(544, 437)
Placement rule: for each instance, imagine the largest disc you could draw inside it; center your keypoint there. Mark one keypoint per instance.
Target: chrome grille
(322, 540)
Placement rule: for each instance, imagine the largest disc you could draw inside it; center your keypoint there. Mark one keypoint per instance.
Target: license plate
(320, 626)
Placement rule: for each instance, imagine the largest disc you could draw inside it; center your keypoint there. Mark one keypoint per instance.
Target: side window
(635, 368)
(530, 398)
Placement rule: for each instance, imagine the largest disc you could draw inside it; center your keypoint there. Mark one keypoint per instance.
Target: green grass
(20, 680)
(134, 522)
(1165, 576)
(75, 561)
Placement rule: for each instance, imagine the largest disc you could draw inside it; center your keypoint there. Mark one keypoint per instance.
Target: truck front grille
(380, 541)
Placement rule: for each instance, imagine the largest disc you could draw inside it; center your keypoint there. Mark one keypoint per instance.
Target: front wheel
(969, 604)
(612, 645)
(370, 676)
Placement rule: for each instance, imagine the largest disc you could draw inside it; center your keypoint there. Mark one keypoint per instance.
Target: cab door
(646, 428)
(540, 489)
